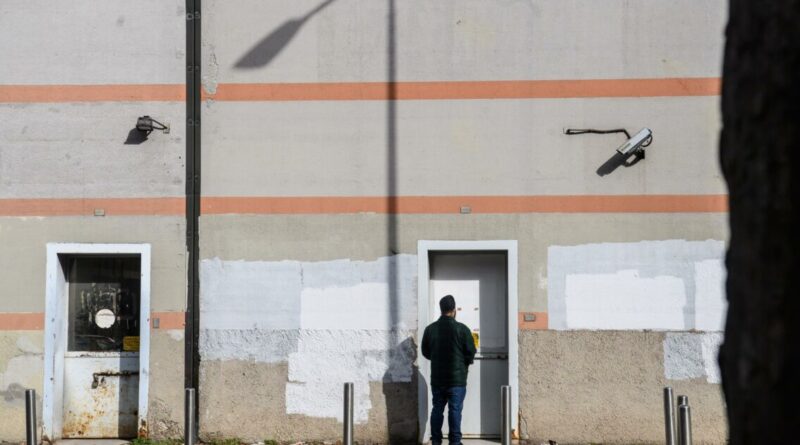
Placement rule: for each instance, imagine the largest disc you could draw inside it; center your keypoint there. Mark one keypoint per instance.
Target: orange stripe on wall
(92, 93)
(21, 321)
(499, 89)
(34, 321)
(169, 320)
(476, 204)
(539, 321)
(505, 89)
(87, 206)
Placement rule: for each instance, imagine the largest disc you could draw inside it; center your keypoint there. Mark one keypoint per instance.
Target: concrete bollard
(189, 431)
(505, 415)
(669, 416)
(685, 425)
(30, 417)
(347, 433)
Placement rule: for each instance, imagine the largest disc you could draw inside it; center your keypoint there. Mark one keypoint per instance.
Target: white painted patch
(692, 356)
(667, 285)
(250, 294)
(254, 345)
(176, 334)
(627, 300)
(332, 321)
(327, 359)
(710, 303)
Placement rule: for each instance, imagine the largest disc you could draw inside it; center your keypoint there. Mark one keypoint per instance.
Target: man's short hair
(447, 304)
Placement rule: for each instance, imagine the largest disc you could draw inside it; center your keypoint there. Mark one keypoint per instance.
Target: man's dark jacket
(449, 346)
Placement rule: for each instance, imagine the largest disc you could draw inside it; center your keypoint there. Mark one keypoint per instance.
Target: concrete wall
(307, 282)
(308, 269)
(74, 78)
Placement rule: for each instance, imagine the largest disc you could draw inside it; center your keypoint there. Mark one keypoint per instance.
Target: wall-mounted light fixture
(147, 124)
(634, 146)
(144, 126)
(627, 154)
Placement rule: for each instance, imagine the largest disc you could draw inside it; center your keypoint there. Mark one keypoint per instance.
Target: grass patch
(140, 441)
(228, 441)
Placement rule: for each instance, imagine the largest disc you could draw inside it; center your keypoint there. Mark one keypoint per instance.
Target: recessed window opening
(104, 303)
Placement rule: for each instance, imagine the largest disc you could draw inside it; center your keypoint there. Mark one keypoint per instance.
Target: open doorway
(482, 276)
(97, 341)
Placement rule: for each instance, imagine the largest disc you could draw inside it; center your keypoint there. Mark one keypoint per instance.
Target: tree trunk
(760, 359)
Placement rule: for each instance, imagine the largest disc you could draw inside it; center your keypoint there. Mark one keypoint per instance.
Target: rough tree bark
(760, 359)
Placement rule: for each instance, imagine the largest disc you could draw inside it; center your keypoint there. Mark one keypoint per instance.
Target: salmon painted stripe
(88, 207)
(369, 204)
(359, 91)
(92, 93)
(21, 321)
(34, 321)
(539, 322)
(475, 204)
(168, 320)
(510, 89)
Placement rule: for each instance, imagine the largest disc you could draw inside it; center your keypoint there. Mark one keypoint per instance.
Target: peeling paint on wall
(327, 359)
(176, 334)
(331, 321)
(22, 371)
(692, 356)
(669, 285)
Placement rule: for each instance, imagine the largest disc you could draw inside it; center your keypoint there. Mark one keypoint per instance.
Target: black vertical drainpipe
(193, 85)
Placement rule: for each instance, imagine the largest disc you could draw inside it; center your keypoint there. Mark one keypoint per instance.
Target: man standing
(449, 346)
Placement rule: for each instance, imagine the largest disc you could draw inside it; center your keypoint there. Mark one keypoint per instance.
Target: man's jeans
(454, 398)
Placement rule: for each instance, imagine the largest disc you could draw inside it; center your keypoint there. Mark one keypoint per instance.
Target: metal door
(101, 364)
(479, 283)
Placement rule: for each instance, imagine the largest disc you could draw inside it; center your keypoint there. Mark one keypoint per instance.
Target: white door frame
(55, 329)
(424, 317)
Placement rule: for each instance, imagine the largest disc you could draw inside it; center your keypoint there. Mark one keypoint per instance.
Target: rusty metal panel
(101, 395)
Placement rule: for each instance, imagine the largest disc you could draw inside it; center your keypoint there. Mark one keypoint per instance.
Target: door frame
(424, 317)
(55, 329)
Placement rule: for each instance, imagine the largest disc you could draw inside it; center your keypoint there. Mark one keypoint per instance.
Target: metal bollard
(189, 431)
(347, 433)
(683, 400)
(669, 416)
(685, 425)
(30, 417)
(505, 415)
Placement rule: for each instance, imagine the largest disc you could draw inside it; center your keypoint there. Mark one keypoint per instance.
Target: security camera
(636, 144)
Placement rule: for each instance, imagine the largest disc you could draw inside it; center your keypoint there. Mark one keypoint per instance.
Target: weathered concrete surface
(247, 400)
(364, 237)
(463, 40)
(24, 256)
(465, 147)
(606, 387)
(77, 150)
(85, 42)
(165, 412)
(21, 368)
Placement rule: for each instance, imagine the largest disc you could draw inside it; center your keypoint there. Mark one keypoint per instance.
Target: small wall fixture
(633, 147)
(147, 124)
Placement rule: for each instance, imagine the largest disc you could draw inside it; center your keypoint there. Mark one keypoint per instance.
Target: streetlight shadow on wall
(270, 46)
